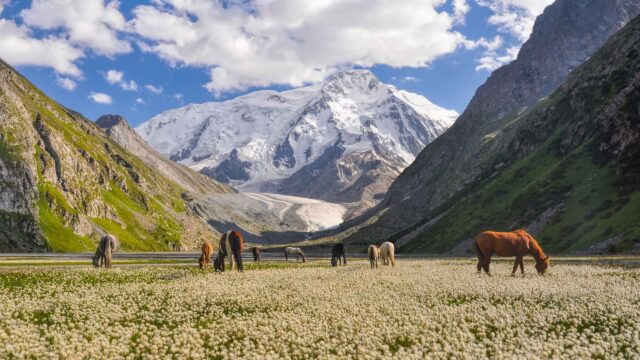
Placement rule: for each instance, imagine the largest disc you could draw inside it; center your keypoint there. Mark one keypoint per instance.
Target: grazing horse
(517, 243)
(106, 247)
(205, 258)
(388, 253)
(374, 253)
(231, 245)
(294, 251)
(338, 255)
(256, 254)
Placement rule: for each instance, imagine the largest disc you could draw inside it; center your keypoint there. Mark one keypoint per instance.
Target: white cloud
(66, 83)
(100, 98)
(410, 79)
(140, 101)
(87, 23)
(178, 96)
(113, 76)
(117, 77)
(18, 47)
(460, 10)
(154, 89)
(294, 42)
(515, 17)
(491, 60)
(129, 85)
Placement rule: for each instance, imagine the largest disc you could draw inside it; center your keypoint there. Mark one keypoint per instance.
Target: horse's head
(543, 264)
(334, 262)
(94, 259)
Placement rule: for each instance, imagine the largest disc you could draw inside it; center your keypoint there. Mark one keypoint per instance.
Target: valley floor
(435, 307)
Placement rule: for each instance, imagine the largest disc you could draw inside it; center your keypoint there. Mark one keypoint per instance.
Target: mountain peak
(355, 79)
(110, 120)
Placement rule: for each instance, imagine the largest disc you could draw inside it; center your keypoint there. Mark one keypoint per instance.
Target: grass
(419, 309)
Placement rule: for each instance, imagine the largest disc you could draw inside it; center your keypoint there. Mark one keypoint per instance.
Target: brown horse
(205, 258)
(231, 245)
(374, 253)
(517, 243)
(256, 253)
(338, 255)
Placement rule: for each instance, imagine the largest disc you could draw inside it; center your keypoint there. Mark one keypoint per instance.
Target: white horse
(374, 253)
(294, 251)
(387, 253)
(106, 247)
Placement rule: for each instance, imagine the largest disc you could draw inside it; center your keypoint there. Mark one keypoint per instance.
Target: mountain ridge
(563, 37)
(272, 141)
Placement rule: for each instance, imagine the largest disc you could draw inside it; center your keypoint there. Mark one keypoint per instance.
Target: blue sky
(139, 58)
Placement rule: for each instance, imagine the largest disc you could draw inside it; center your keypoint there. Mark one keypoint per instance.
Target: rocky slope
(119, 130)
(566, 34)
(341, 141)
(64, 182)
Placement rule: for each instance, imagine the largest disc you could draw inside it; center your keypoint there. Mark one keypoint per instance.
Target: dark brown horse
(231, 245)
(517, 243)
(256, 253)
(338, 255)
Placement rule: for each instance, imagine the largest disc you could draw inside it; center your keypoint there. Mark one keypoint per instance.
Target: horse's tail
(478, 250)
(236, 249)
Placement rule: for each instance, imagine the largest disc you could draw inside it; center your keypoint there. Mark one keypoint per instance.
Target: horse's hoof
(513, 275)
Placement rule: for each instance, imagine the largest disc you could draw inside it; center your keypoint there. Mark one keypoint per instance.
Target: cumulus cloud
(113, 76)
(460, 10)
(492, 60)
(261, 43)
(154, 89)
(117, 77)
(87, 23)
(515, 17)
(19, 47)
(100, 98)
(66, 83)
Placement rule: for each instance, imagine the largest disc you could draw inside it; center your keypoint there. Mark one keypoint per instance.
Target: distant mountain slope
(341, 141)
(119, 130)
(568, 169)
(64, 182)
(567, 33)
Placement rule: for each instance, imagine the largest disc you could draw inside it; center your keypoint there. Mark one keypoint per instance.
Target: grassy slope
(581, 183)
(147, 215)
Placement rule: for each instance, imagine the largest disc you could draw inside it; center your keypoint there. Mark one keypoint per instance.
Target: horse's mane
(537, 251)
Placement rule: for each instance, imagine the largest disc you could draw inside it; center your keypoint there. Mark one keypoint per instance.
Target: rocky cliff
(564, 36)
(64, 182)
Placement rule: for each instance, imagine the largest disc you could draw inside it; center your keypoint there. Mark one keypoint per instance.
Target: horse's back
(503, 243)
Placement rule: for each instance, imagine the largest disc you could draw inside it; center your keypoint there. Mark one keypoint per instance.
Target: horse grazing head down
(543, 264)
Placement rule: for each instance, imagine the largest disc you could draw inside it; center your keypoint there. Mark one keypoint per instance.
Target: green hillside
(65, 182)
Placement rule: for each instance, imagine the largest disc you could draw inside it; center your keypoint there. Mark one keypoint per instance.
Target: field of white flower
(421, 308)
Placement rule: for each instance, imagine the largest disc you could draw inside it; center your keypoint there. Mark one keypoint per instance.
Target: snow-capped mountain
(342, 141)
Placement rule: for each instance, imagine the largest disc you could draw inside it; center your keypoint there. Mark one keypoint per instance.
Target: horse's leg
(515, 265)
(485, 265)
(286, 257)
(344, 259)
(521, 266)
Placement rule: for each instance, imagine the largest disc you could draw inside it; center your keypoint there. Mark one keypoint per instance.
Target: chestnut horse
(517, 243)
(231, 245)
(338, 255)
(256, 254)
(373, 252)
(205, 258)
